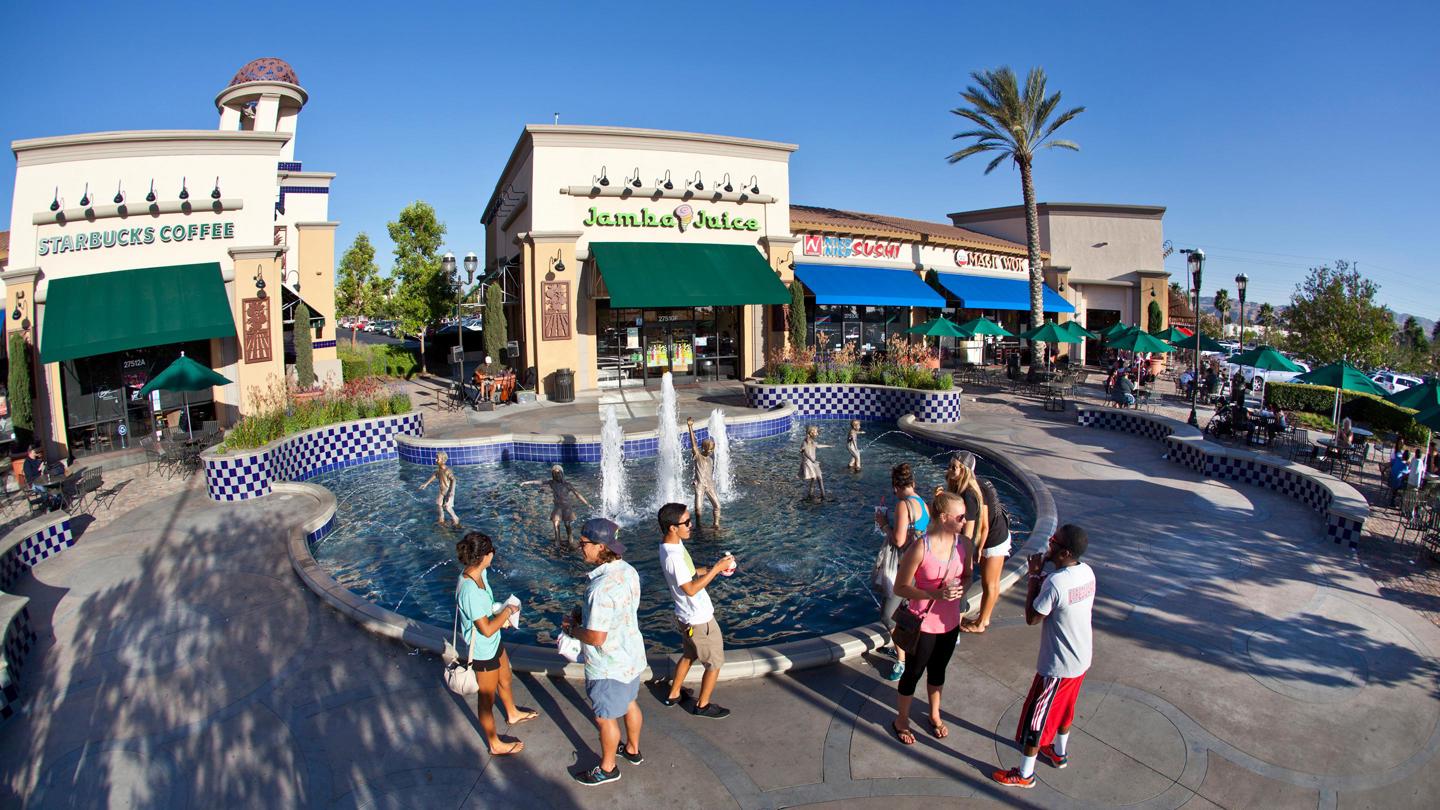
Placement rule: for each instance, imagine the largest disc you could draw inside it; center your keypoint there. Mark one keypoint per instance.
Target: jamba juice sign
(682, 218)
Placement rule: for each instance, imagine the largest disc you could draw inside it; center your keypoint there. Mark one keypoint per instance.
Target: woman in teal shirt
(482, 617)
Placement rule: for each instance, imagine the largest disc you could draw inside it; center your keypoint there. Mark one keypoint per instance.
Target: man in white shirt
(694, 615)
(1064, 601)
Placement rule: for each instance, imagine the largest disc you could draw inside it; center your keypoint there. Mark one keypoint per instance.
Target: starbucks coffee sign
(682, 217)
(135, 237)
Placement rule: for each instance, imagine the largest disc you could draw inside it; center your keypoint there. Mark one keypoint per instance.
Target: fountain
(615, 492)
(669, 488)
(724, 479)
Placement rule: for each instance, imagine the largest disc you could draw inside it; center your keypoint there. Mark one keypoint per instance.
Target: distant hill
(1425, 323)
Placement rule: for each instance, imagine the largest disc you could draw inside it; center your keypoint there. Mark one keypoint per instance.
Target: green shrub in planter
(1366, 409)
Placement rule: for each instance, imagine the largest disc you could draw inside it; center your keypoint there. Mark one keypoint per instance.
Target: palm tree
(1015, 126)
(1222, 306)
(1267, 319)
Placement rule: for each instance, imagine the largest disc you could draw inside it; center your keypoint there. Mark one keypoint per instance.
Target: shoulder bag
(907, 622)
(459, 678)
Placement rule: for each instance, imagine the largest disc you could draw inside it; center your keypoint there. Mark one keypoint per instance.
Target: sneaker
(1010, 778)
(1047, 753)
(684, 696)
(888, 652)
(596, 776)
(637, 757)
(896, 671)
(712, 711)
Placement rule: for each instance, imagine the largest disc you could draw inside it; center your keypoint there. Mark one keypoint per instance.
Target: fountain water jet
(614, 490)
(669, 469)
(724, 477)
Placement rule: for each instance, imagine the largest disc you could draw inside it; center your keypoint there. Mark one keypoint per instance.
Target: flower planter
(306, 396)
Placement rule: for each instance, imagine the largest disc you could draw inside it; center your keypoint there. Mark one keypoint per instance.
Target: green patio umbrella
(1139, 341)
(184, 375)
(1050, 332)
(984, 326)
(1422, 397)
(1266, 359)
(1074, 328)
(1171, 335)
(939, 327)
(1207, 344)
(1342, 377)
(1116, 330)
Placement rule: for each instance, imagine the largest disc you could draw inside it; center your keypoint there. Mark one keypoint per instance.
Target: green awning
(649, 274)
(132, 309)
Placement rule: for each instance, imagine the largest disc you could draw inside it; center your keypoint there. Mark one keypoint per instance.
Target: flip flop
(515, 748)
(939, 730)
(972, 628)
(526, 715)
(904, 735)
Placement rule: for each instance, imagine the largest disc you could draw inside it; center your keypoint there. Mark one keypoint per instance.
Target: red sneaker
(1047, 752)
(1012, 778)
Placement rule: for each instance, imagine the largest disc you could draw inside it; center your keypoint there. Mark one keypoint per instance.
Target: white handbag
(459, 678)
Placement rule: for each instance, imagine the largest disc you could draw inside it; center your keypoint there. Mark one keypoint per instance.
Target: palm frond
(1071, 145)
(998, 160)
(973, 149)
(1064, 118)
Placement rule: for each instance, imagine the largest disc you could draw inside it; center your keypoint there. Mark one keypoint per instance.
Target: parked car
(1268, 376)
(1393, 381)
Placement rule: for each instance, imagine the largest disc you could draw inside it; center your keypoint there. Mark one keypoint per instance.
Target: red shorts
(1049, 707)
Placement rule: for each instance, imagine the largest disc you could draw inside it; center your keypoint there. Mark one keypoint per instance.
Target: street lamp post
(1196, 263)
(447, 264)
(1240, 281)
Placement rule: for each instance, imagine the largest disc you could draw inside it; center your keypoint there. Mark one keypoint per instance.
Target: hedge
(380, 360)
(1366, 409)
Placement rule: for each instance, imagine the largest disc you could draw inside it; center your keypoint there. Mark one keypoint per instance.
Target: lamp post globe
(1240, 281)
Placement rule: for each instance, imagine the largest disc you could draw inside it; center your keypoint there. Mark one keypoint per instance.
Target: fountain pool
(804, 567)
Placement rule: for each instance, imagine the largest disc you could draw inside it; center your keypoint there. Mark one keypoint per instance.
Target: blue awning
(871, 286)
(984, 292)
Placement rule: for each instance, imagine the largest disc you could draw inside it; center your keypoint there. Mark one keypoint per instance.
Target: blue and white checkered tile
(319, 533)
(1344, 531)
(238, 478)
(19, 640)
(9, 694)
(854, 401)
(1188, 455)
(31, 550)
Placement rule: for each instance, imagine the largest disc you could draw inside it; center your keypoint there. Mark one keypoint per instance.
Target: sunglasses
(685, 522)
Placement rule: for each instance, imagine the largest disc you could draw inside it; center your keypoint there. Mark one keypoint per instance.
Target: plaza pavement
(1240, 661)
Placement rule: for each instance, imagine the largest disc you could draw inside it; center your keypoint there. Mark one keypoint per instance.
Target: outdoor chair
(103, 497)
(80, 495)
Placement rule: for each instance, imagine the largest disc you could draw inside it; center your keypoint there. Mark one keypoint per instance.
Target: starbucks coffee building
(627, 253)
(128, 249)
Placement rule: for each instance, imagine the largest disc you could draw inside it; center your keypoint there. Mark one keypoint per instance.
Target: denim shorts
(612, 699)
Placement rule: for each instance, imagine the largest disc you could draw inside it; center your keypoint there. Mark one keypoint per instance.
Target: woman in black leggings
(933, 575)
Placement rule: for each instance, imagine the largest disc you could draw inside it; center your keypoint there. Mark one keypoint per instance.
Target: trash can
(564, 385)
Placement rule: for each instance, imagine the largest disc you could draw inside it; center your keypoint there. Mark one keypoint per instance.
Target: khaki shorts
(702, 642)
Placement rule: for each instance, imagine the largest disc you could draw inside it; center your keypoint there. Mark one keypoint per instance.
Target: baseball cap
(602, 531)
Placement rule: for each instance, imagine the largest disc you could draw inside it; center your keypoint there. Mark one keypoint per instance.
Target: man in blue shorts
(614, 649)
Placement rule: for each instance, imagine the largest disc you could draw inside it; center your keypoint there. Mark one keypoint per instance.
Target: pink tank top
(931, 574)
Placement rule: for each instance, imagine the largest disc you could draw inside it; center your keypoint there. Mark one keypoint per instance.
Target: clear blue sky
(1279, 135)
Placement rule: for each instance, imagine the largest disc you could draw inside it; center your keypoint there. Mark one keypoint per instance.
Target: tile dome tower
(264, 96)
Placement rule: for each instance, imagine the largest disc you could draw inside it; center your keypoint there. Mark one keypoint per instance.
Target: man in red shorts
(1063, 601)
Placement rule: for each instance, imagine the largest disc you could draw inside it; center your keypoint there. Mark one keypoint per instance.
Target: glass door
(670, 344)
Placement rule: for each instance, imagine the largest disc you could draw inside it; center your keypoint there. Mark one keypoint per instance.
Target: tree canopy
(424, 294)
(1333, 316)
(354, 278)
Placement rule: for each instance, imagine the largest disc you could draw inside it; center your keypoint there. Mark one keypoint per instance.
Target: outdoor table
(54, 484)
(1362, 432)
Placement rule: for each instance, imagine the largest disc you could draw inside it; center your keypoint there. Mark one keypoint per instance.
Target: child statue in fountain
(810, 462)
(852, 443)
(704, 478)
(445, 502)
(562, 511)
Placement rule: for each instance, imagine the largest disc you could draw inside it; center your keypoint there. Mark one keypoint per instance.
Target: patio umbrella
(1139, 341)
(1050, 332)
(1422, 397)
(1116, 330)
(1265, 359)
(1171, 335)
(939, 327)
(984, 326)
(1207, 344)
(184, 375)
(1342, 377)
(1074, 328)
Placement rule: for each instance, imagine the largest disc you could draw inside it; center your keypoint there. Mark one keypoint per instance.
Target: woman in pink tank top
(933, 575)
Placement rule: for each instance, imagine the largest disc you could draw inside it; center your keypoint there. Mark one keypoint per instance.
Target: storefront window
(692, 343)
(103, 406)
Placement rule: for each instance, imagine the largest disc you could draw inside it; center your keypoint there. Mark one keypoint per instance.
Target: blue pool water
(804, 567)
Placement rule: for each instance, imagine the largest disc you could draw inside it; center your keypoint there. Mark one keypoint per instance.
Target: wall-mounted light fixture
(259, 282)
(725, 184)
(696, 183)
(754, 184)
(19, 300)
(151, 196)
(665, 181)
(85, 198)
(55, 203)
(215, 194)
(119, 193)
(603, 179)
(789, 259)
(558, 264)
(634, 179)
(184, 191)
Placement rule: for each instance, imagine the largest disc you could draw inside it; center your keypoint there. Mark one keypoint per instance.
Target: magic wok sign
(990, 261)
(682, 218)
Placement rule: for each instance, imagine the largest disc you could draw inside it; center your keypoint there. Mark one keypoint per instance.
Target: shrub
(380, 360)
(277, 413)
(1366, 409)
(22, 407)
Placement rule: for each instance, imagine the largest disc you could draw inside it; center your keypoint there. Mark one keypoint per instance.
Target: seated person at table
(1345, 437)
(1124, 391)
(35, 469)
(1277, 423)
(1399, 469)
(1187, 380)
(1012, 366)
